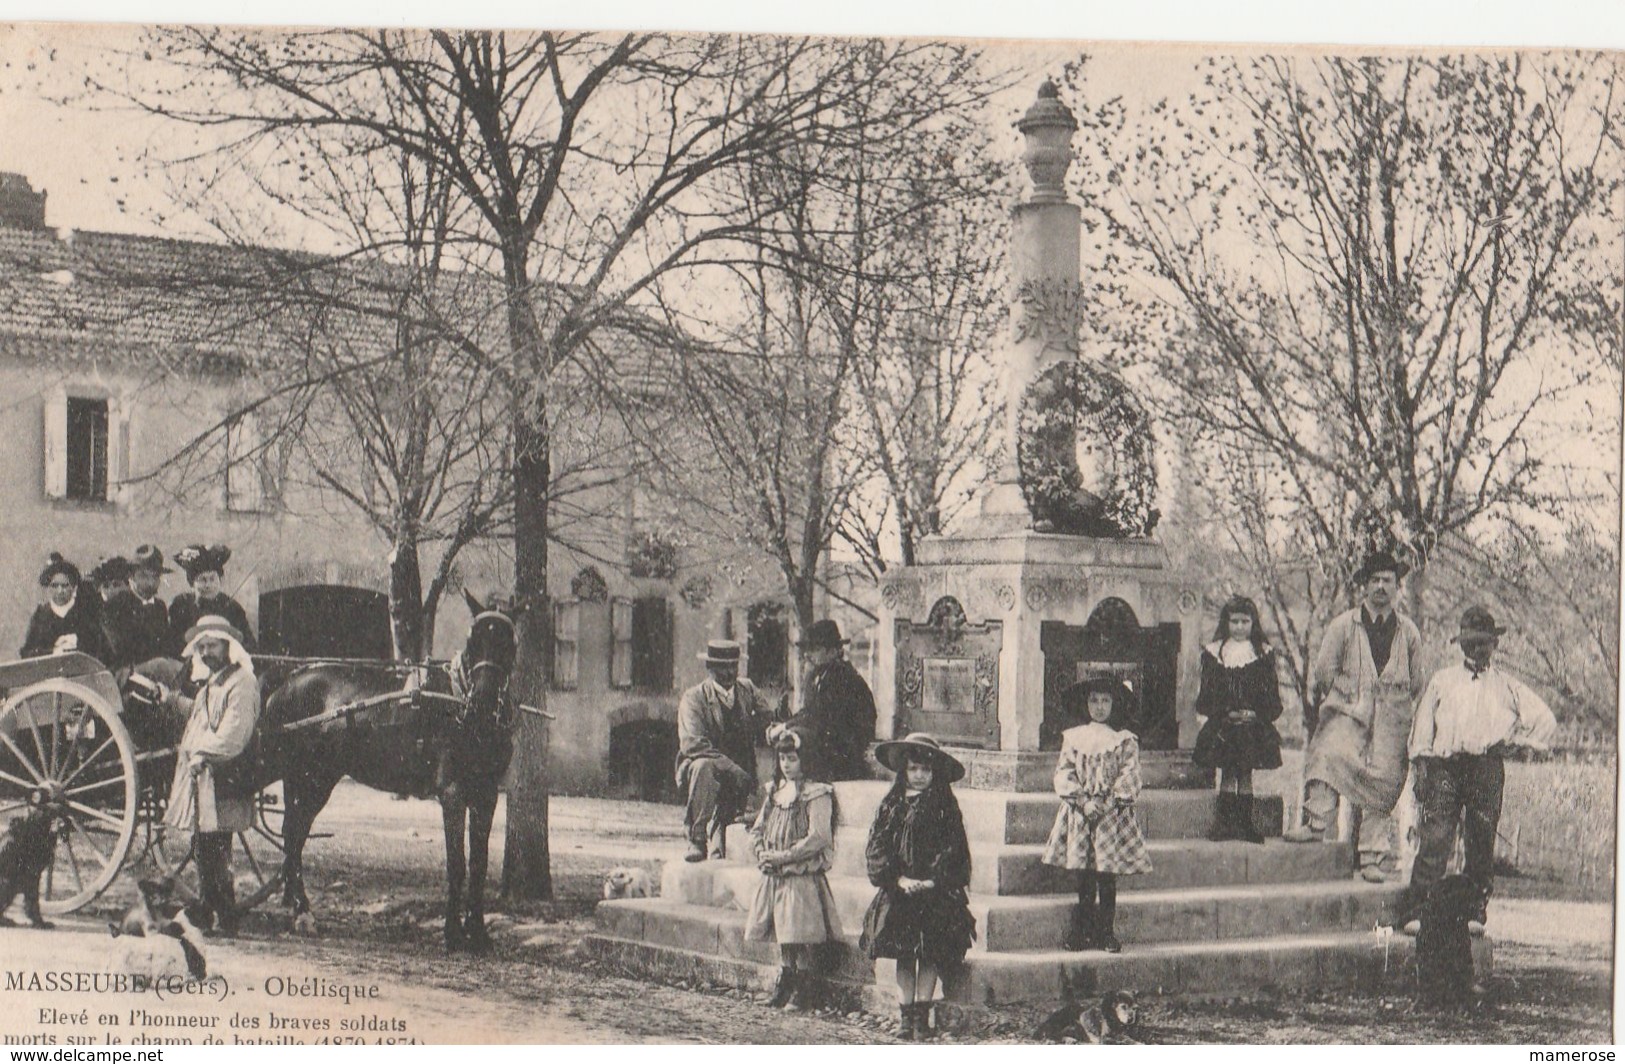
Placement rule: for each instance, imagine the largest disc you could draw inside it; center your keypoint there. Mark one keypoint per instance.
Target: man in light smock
(1365, 681)
(203, 797)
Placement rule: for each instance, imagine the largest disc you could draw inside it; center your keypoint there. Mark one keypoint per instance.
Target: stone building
(95, 411)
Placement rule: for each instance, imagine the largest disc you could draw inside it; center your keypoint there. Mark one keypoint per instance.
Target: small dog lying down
(1444, 949)
(26, 851)
(627, 883)
(1113, 1020)
(157, 938)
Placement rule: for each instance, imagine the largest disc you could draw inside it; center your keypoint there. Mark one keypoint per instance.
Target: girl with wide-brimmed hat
(918, 857)
(68, 620)
(1095, 832)
(1240, 696)
(793, 840)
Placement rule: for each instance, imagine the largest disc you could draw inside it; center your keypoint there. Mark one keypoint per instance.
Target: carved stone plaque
(948, 676)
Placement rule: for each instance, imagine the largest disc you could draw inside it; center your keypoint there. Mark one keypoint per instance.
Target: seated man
(718, 720)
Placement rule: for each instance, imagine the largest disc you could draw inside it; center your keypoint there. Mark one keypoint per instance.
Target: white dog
(172, 950)
(627, 883)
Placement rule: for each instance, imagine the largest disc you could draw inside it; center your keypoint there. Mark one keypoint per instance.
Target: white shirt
(1465, 714)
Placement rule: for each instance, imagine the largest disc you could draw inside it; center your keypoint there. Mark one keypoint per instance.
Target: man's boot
(1303, 833)
(1246, 826)
(1223, 826)
(786, 987)
(923, 1031)
(696, 851)
(718, 841)
(905, 1022)
(804, 998)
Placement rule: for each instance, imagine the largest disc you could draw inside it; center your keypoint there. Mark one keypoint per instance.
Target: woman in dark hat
(794, 843)
(1241, 698)
(1095, 832)
(205, 569)
(919, 859)
(67, 620)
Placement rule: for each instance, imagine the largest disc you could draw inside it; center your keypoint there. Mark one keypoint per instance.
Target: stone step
(1011, 923)
(671, 940)
(1012, 817)
(1176, 863)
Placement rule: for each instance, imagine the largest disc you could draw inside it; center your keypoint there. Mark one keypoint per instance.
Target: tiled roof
(122, 295)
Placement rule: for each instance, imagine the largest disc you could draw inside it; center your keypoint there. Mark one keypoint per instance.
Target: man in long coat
(837, 707)
(220, 724)
(143, 633)
(1364, 682)
(718, 720)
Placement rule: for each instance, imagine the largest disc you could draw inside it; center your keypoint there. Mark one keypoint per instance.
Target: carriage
(67, 728)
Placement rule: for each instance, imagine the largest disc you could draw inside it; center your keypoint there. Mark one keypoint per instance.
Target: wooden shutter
(621, 642)
(118, 450)
(56, 444)
(651, 644)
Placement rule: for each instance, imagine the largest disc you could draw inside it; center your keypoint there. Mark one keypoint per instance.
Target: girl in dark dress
(1241, 699)
(205, 569)
(918, 856)
(70, 619)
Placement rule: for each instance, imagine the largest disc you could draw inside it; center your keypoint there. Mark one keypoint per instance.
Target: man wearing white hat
(717, 723)
(209, 796)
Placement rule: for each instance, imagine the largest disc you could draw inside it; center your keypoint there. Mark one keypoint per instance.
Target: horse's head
(488, 656)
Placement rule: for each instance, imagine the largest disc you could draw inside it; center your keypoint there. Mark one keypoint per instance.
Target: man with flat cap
(1363, 685)
(718, 720)
(837, 707)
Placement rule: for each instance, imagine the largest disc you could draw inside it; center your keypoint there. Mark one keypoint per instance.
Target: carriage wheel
(256, 856)
(61, 737)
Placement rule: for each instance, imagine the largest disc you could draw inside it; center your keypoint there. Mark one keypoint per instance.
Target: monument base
(1033, 771)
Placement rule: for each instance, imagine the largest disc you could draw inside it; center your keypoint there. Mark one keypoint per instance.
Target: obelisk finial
(1048, 126)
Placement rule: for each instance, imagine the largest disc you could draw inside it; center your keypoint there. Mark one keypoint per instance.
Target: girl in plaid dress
(793, 840)
(1095, 832)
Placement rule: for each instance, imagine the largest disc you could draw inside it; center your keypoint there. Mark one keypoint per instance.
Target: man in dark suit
(139, 627)
(717, 723)
(837, 706)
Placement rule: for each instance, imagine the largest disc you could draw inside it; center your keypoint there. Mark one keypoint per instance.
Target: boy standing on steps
(1470, 716)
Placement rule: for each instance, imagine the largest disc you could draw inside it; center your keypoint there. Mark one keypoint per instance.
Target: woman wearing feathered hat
(68, 620)
(205, 569)
(1095, 832)
(211, 795)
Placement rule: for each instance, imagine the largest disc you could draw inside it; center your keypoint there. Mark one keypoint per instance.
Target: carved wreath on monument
(1086, 455)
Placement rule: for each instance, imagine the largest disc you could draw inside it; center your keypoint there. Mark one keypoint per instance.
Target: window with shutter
(56, 445)
(620, 649)
(651, 644)
(566, 644)
(86, 451)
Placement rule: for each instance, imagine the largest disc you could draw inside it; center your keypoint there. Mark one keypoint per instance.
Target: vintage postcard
(569, 537)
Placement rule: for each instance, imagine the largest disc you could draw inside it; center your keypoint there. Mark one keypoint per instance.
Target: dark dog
(1444, 949)
(26, 851)
(1113, 1020)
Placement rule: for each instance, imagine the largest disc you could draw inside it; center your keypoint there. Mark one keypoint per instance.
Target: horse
(458, 751)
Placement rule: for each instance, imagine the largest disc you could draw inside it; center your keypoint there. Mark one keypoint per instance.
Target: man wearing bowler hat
(717, 723)
(1470, 717)
(837, 706)
(1364, 683)
(138, 625)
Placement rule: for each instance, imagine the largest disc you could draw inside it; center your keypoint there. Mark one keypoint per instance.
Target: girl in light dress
(1096, 833)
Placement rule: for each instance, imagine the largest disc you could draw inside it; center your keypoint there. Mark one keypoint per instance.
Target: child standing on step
(1095, 832)
(1241, 698)
(918, 856)
(793, 841)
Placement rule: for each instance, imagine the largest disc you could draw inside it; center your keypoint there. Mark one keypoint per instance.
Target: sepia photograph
(523, 536)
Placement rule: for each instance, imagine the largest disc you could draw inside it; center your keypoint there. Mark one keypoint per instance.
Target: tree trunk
(406, 600)
(526, 867)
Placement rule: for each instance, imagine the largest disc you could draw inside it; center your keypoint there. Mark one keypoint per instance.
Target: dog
(627, 883)
(26, 851)
(1444, 951)
(170, 950)
(155, 906)
(1114, 1020)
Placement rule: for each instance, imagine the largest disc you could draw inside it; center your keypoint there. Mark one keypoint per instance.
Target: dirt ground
(375, 884)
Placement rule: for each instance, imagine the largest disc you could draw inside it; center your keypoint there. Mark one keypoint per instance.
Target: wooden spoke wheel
(61, 738)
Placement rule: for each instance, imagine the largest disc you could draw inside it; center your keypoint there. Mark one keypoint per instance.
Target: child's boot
(1081, 934)
(804, 998)
(782, 991)
(1105, 936)
(923, 1031)
(1246, 826)
(905, 1022)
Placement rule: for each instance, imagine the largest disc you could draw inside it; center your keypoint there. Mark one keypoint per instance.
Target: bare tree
(1364, 273)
